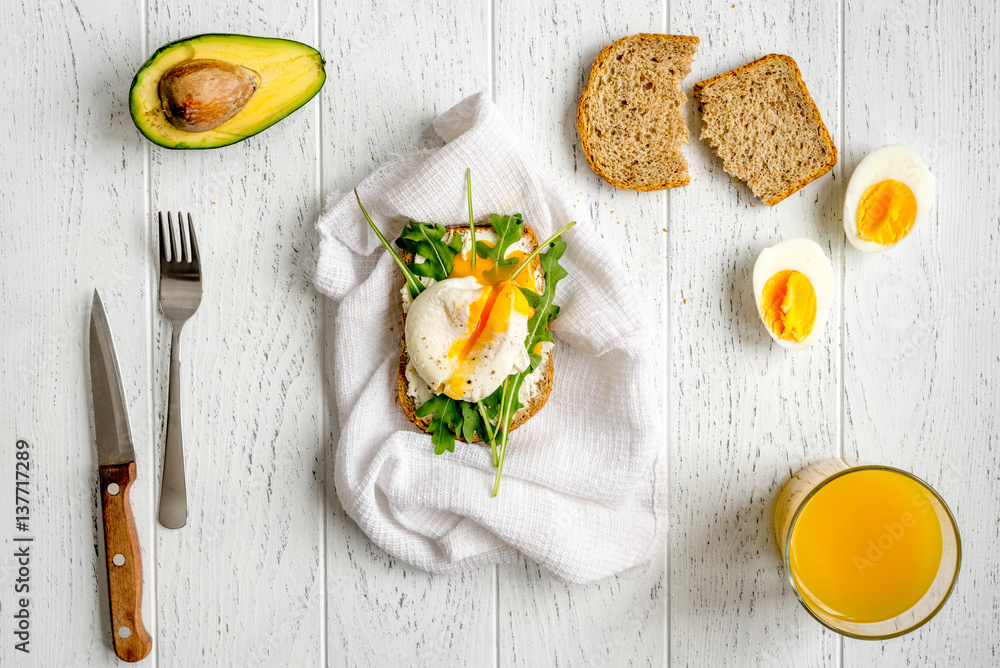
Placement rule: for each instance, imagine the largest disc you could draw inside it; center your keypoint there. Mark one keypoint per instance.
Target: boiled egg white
(793, 289)
(889, 194)
(464, 338)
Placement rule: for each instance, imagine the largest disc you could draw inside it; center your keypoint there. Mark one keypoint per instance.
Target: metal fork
(180, 295)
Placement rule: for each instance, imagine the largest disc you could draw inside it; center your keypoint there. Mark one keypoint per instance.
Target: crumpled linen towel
(583, 487)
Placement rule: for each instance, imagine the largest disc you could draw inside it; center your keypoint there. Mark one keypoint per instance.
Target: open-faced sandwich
(476, 352)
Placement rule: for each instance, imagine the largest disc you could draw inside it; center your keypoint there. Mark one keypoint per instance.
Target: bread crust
(696, 92)
(583, 124)
(407, 403)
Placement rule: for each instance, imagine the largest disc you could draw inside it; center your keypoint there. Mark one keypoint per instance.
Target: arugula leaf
(544, 305)
(427, 241)
(471, 422)
(545, 311)
(509, 230)
(416, 287)
(492, 402)
(509, 405)
(452, 418)
(472, 224)
(443, 423)
(489, 413)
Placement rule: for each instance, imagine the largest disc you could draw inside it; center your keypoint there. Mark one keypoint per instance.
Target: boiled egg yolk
(788, 305)
(886, 212)
(490, 315)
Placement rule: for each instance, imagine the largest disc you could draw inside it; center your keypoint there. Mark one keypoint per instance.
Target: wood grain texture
(543, 54)
(922, 357)
(124, 563)
(269, 570)
(71, 219)
(241, 583)
(392, 68)
(745, 413)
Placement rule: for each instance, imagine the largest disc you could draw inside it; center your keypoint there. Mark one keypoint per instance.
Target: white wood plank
(745, 413)
(922, 358)
(543, 54)
(241, 584)
(72, 211)
(393, 67)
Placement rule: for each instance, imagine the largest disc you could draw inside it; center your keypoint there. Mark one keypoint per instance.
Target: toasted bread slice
(631, 113)
(762, 122)
(543, 382)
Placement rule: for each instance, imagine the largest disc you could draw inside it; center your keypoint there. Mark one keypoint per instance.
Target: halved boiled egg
(793, 288)
(889, 194)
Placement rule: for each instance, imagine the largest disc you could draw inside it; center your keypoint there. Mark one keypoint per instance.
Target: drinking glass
(804, 488)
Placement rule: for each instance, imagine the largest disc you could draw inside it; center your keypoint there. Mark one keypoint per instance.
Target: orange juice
(867, 546)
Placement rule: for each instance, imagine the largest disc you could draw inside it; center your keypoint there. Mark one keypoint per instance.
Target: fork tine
(182, 237)
(193, 243)
(173, 240)
(163, 245)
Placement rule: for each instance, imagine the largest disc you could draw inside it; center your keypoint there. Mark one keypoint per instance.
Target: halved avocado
(283, 76)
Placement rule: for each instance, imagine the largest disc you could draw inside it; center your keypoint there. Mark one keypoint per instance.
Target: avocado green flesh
(291, 74)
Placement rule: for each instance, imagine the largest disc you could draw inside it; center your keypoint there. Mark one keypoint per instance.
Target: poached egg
(465, 334)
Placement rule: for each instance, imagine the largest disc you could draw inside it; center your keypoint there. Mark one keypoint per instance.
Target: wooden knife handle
(121, 548)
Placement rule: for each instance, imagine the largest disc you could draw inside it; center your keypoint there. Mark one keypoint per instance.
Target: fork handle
(173, 491)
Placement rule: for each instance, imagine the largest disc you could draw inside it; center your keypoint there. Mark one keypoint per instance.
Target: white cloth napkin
(583, 486)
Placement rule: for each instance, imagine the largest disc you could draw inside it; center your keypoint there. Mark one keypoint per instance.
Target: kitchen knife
(116, 468)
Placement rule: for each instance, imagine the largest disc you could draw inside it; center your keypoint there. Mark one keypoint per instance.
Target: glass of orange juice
(872, 552)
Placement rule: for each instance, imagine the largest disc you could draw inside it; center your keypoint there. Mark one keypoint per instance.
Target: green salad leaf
(416, 287)
(470, 421)
(545, 308)
(428, 241)
(509, 230)
(538, 330)
(472, 222)
(451, 418)
(445, 420)
(509, 405)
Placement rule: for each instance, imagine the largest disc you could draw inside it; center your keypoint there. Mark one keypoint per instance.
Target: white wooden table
(269, 570)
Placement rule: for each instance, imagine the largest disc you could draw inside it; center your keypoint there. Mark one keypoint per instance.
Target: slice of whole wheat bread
(761, 120)
(631, 112)
(407, 403)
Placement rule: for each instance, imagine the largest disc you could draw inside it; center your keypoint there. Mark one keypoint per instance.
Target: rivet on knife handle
(121, 547)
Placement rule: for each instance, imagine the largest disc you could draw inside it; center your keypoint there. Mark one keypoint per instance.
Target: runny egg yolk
(788, 305)
(886, 212)
(487, 274)
(490, 314)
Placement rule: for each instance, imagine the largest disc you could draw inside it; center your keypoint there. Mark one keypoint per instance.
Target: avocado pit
(199, 95)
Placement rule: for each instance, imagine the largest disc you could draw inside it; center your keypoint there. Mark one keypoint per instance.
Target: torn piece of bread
(413, 391)
(762, 122)
(631, 113)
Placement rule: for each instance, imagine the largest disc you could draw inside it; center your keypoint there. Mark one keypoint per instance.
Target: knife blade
(116, 469)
